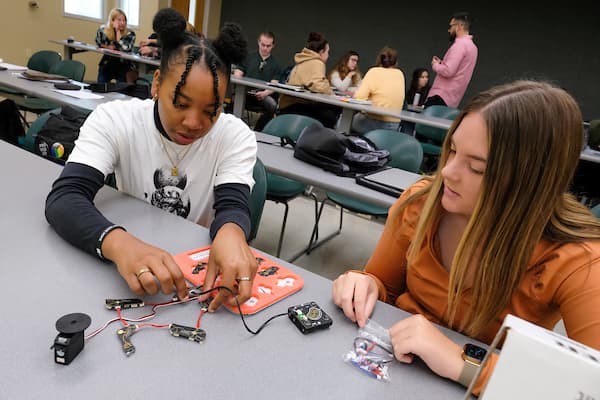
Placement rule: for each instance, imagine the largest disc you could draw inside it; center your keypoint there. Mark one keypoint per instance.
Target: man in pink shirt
(454, 71)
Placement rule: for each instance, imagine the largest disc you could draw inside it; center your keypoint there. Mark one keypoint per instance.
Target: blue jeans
(362, 124)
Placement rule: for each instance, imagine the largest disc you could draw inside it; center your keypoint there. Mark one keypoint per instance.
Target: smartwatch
(472, 356)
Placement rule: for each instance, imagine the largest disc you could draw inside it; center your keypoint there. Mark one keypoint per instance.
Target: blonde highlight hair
(108, 29)
(535, 134)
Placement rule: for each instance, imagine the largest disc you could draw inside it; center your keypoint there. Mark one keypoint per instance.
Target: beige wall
(25, 30)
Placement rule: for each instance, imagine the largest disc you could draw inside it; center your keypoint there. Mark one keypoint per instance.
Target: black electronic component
(124, 334)
(123, 304)
(193, 334)
(269, 271)
(200, 267)
(70, 340)
(309, 317)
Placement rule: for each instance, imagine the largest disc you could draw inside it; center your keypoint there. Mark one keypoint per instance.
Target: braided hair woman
(176, 151)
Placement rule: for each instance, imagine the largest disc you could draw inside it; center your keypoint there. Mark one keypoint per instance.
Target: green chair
(280, 189)
(41, 61)
(431, 138)
(29, 141)
(405, 153)
(596, 210)
(257, 197)
(71, 69)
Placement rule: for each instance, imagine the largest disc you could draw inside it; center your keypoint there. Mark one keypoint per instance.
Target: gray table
(44, 278)
(143, 63)
(590, 155)
(280, 160)
(45, 90)
(241, 86)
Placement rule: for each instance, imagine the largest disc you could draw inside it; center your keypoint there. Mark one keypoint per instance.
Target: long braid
(194, 53)
(213, 69)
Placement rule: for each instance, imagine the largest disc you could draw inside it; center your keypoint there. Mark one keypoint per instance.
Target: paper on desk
(13, 67)
(80, 94)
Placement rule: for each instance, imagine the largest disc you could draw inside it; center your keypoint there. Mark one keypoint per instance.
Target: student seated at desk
(345, 76)
(309, 72)
(177, 152)
(262, 65)
(115, 36)
(383, 85)
(495, 231)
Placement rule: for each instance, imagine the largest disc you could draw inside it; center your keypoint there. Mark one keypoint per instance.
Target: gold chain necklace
(174, 169)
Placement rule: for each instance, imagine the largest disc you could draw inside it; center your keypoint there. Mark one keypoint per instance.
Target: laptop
(391, 181)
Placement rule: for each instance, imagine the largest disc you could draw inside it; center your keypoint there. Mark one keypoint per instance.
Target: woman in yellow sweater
(493, 232)
(383, 85)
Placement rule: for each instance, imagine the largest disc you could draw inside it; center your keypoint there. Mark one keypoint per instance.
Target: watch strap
(468, 372)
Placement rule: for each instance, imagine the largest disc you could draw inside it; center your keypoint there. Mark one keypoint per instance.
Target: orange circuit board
(272, 282)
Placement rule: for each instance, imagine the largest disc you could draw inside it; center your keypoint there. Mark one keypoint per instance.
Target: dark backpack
(56, 138)
(12, 123)
(341, 154)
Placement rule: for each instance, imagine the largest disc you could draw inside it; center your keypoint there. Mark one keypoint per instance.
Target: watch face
(475, 352)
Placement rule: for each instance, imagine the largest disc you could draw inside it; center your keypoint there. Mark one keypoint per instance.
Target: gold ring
(141, 271)
(244, 278)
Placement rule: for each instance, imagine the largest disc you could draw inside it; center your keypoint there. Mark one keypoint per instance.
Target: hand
(416, 336)
(435, 60)
(146, 51)
(147, 42)
(230, 257)
(132, 255)
(356, 294)
(351, 74)
(262, 94)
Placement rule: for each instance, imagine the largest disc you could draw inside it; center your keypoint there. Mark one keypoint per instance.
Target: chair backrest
(257, 197)
(596, 210)
(436, 134)
(289, 125)
(43, 60)
(34, 128)
(72, 69)
(405, 151)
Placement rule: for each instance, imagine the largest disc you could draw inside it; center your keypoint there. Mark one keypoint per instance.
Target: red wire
(199, 318)
(125, 323)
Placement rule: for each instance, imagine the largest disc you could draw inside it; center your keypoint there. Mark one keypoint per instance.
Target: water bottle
(416, 99)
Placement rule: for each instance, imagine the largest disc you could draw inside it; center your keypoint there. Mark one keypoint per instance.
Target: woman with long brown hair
(494, 232)
(346, 76)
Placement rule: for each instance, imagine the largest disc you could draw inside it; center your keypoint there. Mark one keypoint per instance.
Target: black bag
(12, 123)
(139, 90)
(338, 153)
(56, 138)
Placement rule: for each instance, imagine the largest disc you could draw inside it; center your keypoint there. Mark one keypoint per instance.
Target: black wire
(240, 310)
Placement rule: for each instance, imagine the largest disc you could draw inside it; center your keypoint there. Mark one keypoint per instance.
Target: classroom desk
(348, 109)
(45, 90)
(143, 63)
(281, 161)
(45, 278)
(590, 155)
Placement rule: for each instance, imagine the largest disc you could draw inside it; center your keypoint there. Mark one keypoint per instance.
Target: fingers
(209, 280)
(175, 280)
(343, 295)
(356, 294)
(228, 281)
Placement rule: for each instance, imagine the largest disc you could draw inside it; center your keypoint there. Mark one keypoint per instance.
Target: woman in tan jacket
(309, 72)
